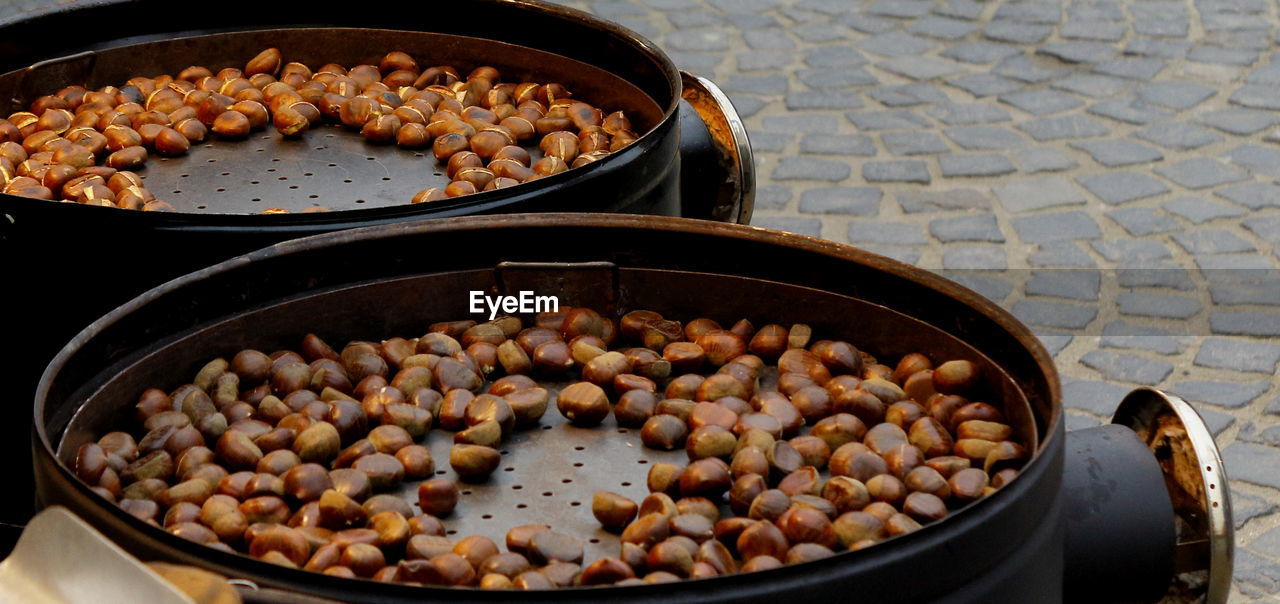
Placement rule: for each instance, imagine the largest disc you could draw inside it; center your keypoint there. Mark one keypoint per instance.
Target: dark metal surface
(764, 275)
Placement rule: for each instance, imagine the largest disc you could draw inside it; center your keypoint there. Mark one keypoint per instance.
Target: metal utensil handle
(729, 135)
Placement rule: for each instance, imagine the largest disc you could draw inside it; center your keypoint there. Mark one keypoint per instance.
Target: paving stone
(1266, 75)
(1273, 408)
(902, 9)
(753, 6)
(772, 197)
(887, 120)
(1043, 159)
(819, 32)
(700, 39)
(896, 171)
(1198, 210)
(942, 28)
(1064, 127)
(907, 95)
(1178, 135)
(696, 62)
(1134, 68)
(835, 79)
(869, 24)
(747, 105)
(1065, 283)
(771, 142)
(1242, 122)
(835, 144)
(1031, 70)
(749, 21)
(1254, 196)
(1017, 33)
(1256, 97)
(1232, 395)
(809, 168)
(1040, 101)
(1256, 158)
(985, 283)
(1212, 241)
(980, 52)
(1089, 29)
(1246, 507)
(1215, 421)
(761, 60)
(985, 138)
(1060, 254)
(801, 122)
(1234, 262)
(1256, 464)
(1244, 323)
(857, 201)
(920, 68)
(983, 84)
(1223, 56)
(1266, 228)
(1054, 343)
(1244, 287)
(773, 84)
(909, 255)
(1123, 334)
(975, 165)
(1047, 313)
(1129, 109)
(1117, 188)
(771, 38)
(975, 257)
(834, 56)
(893, 233)
(1268, 543)
(1239, 354)
(1175, 95)
(1141, 222)
(1168, 49)
(1039, 193)
(1079, 52)
(1153, 273)
(1119, 250)
(823, 99)
(1029, 13)
(1149, 304)
(974, 227)
(1078, 421)
(915, 201)
(963, 114)
(913, 143)
(792, 224)
(616, 8)
(1127, 367)
(1119, 152)
(686, 19)
(1100, 11)
(1255, 576)
(1202, 172)
(1054, 227)
(1092, 85)
(897, 44)
(960, 9)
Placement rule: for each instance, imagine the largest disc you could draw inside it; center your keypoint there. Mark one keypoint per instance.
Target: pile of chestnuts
(799, 448)
(85, 146)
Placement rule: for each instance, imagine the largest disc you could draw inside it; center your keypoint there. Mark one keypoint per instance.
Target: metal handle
(734, 198)
(71, 68)
(1196, 479)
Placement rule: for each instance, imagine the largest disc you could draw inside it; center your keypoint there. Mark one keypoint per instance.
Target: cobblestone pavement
(1105, 170)
(1114, 162)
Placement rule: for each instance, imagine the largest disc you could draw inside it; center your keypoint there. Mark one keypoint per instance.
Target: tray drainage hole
(1215, 504)
(441, 472)
(546, 427)
(487, 517)
(321, 148)
(575, 503)
(370, 158)
(418, 154)
(290, 186)
(504, 452)
(177, 191)
(348, 181)
(213, 161)
(255, 182)
(202, 207)
(566, 480)
(437, 174)
(521, 506)
(307, 174)
(517, 487)
(333, 165)
(359, 201)
(451, 532)
(256, 199)
(1212, 486)
(579, 448)
(626, 484)
(328, 136)
(593, 540)
(508, 469)
(275, 159)
(386, 178)
(313, 197)
(622, 430)
(271, 169)
(266, 138)
(547, 493)
(643, 461)
(226, 174)
(577, 464)
(221, 190)
(209, 146)
(185, 175)
(1208, 468)
(259, 150)
(466, 492)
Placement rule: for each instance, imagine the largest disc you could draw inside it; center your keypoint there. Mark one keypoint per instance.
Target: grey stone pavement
(1105, 170)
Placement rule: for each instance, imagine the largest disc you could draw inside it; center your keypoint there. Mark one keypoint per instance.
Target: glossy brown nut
(705, 478)
(664, 432)
(646, 530)
(612, 510)
(807, 525)
(583, 403)
(231, 125)
(128, 158)
(473, 462)
(384, 471)
(954, 377)
(762, 539)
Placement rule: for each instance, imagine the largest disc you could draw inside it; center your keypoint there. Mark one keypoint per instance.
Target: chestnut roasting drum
(231, 181)
(1126, 512)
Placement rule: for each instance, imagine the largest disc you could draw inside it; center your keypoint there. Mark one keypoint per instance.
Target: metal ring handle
(1195, 477)
(732, 144)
